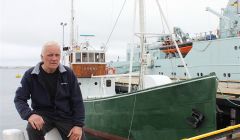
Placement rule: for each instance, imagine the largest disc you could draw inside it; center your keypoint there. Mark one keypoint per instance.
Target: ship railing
(202, 36)
(228, 132)
(216, 34)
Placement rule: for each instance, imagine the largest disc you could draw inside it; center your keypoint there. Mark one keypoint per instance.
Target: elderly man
(56, 99)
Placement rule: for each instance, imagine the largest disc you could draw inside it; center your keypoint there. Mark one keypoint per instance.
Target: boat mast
(72, 41)
(142, 45)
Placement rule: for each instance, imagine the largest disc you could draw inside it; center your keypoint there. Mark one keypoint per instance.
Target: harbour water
(9, 81)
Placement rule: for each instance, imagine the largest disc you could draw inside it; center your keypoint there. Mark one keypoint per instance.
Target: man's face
(51, 57)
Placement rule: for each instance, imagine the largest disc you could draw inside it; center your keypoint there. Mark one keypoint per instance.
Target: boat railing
(228, 132)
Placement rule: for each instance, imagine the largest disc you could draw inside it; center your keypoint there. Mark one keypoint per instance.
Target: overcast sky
(27, 24)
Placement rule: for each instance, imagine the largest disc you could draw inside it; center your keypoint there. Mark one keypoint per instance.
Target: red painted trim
(102, 135)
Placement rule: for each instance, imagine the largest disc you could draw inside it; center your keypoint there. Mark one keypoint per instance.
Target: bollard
(13, 134)
(53, 135)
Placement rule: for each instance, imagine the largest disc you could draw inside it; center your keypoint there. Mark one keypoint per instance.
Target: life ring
(110, 70)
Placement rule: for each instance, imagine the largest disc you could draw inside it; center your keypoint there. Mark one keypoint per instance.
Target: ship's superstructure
(90, 67)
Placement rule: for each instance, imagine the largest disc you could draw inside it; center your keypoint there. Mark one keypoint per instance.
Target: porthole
(224, 74)
(95, 83)
(235, 47)
(79, 83)
(201, 74)
(229, 74)
(185, 74)
(197, 74)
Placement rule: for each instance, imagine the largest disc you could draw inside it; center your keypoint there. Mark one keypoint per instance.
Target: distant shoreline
(14, 67)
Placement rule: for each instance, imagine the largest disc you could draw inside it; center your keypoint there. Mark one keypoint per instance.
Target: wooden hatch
(88, 70)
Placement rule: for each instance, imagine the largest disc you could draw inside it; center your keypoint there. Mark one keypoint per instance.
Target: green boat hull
(166, 112)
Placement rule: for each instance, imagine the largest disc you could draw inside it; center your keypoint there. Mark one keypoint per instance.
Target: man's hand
(75, 133)
(36, 121)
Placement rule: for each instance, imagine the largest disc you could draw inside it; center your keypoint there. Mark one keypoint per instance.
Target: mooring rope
(133, 112)
(115, 24)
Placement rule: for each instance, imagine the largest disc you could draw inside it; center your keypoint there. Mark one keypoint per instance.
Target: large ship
(215, 51)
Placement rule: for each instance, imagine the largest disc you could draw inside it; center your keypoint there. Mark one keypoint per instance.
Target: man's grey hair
(48, 44)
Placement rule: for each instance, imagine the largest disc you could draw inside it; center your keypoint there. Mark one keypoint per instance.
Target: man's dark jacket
(68, 105)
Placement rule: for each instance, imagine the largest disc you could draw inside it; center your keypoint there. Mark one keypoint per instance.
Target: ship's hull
(163, 112)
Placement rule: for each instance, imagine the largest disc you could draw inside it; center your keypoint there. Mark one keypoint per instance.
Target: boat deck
(125, 80)
(224, 87)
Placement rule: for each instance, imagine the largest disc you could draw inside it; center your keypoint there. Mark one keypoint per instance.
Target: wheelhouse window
(78, 57)
(102, 57)
(96, 57)
(71, 57)
(91, 57)
(84, 57)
